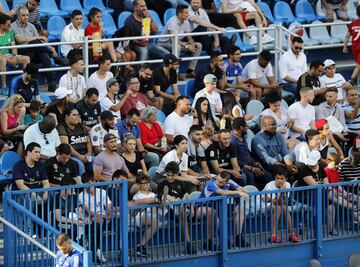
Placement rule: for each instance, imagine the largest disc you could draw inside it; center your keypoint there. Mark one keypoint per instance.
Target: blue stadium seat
(45, 97)
(55, 27)
(12, 85)
(7, 162)
(70, 5)
(168, 14)
(5, 5)
(189, 89)
(255, 107)
(109, 25)
(321, 34)
(244, 46)
(303, 9)
(351, 5)
(16, 2)
(88, 4)
(157, 20)
(160, 116)
(122, 18)
(49, 8)
(282, 11)
(267, 12)
(152, 172)
(337, 31)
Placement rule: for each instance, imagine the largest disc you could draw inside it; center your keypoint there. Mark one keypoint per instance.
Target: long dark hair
(229, 101)
(208, 113)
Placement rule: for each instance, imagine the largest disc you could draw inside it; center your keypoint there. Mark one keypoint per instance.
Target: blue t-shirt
(32, 177)
(232, 72)
(73, 259)
(211, 188)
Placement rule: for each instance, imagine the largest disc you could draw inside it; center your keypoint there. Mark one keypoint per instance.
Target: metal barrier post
(87, 258)
(124, 224)
(86, 57)
(318, 220)
(223, 232)
(277, 51)
(259, 38)
(175, 47)
(9, 236)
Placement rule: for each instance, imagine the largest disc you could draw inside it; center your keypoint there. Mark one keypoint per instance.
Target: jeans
(151, 160)
(291, 87)
(83, 167)
(251, 179)
(150, 51)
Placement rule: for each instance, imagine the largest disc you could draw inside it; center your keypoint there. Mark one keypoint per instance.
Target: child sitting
(279, 203)
(67, 256)
(34, 116)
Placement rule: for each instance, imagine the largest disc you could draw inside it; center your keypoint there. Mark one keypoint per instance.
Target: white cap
(328, 63)
(62, 92)
(313, 158)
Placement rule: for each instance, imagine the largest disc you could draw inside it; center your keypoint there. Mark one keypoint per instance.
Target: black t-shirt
(307, 80)
(136, 165)
(27, 91)
(176, 189)
(77, 137)
(135, 26)
(306, 171)
(59, 116)
(32, 176)
(206, 4)
(199, 78)
(61, 174)
(145, 85)
(160, 79)
(67, 205)
(89, 114)
(223, 157)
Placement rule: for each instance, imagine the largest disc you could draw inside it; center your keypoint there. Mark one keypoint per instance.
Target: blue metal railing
(98, 218)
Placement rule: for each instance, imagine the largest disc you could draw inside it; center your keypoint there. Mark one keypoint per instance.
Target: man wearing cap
(108, 161)
(89, 108)
(57, 110)
(98, 132)
(311, 173)
(164, 77)
(292, 65)
(72, 32)
(26, 84)
(333, 79)
(180, 24)
(135, 99)
(111, 101)
(211, 94)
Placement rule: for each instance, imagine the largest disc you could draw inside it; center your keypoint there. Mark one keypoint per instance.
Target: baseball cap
(313, 158)
(108, 137)
(107, 115)
(210, 78)
(320, 123)
(170, 58)
(62, 92)
(31, 69)
(111, 81)
(328, 63)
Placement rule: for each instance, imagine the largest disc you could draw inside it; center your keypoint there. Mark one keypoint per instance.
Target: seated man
(61, 169)
(349, 168)
(98, 132)
(180, 24)
(99, 78)
(351, 109)
(72, 32)
(89, 108)
(335, 6)
(260, 68)
(222, 157)
(34, 14)
(333, 79)
(6, 39)
(269, 147)
(135, 99)
(26, 84)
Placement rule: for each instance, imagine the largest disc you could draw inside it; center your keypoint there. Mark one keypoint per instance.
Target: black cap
(170, 59)
(31, 69)
(108, 137)
(107, 115)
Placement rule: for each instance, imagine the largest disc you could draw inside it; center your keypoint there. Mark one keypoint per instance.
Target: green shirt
(6, 40)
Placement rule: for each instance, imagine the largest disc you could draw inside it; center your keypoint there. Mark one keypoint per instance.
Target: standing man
(72, 33)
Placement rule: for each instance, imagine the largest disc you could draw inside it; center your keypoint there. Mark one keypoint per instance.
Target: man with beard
(98, 132)
(135, 99)
(108, 161)
(292, 65)
(89, 108)
(222, 157)
(255, 173)
(270, 148)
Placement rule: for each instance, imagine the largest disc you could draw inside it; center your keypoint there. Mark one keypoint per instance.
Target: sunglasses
(46, 140)
(298, 48)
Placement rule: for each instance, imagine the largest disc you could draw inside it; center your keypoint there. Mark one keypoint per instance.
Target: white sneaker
(253, 40)
(100, 256)
(267, 39)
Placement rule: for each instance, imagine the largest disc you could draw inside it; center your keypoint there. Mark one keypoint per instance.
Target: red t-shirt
(139, 102)
(332, 175)
(90, 30)
(150, 135)
(354, 29)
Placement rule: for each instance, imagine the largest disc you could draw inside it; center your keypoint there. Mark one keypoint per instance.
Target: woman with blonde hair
(12, 114)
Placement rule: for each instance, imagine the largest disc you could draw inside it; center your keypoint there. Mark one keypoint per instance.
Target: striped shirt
(348, 172)
(34, 16)
(352, 124)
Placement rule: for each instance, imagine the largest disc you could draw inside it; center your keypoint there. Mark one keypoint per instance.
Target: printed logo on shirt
(212, 153)
(78, 139)
(95, 138)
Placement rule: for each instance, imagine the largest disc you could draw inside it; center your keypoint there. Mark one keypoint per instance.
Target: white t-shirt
(237, 4)
(302, 116)
(106, 103)
(97, 134)
(292, 65)
(271, 186)
(100, 196)
(173, 25)
(76, 84)
(99, 84)
(175, 125)
(253, 70)
(171, 156)
(214, 100)
(336, 81)
(302, 152)
(33, 134)
(70, 34)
